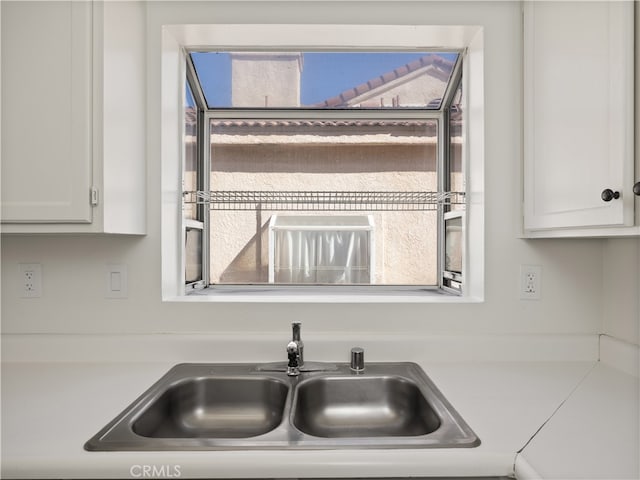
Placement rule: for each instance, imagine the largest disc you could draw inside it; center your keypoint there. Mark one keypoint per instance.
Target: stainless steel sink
(233, 407)
(375, 406)
(245, 406)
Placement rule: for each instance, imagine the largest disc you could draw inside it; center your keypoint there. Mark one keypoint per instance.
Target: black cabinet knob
(636, 189)
(608, 195)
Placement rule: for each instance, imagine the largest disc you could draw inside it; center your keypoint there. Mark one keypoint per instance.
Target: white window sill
(320, 295)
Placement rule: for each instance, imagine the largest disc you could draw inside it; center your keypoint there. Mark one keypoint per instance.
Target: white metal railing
(323, 200)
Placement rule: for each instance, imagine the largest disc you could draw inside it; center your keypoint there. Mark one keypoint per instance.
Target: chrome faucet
(295, 364)
(295, 326)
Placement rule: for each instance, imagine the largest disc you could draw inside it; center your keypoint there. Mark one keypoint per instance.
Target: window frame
(176, 39)
(201, 222)
(441, 115)
(444, 213)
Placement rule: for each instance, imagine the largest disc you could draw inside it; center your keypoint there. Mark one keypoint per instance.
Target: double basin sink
(258, 406)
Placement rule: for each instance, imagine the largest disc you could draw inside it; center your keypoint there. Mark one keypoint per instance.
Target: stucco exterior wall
(406, 242)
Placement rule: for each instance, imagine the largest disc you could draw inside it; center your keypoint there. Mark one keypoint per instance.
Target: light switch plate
(116, 281)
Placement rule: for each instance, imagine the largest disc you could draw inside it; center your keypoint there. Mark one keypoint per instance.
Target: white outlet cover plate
(35, 289)
(530, 282)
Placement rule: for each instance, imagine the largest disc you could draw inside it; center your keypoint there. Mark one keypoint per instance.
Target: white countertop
(50, 409)
(595, 434)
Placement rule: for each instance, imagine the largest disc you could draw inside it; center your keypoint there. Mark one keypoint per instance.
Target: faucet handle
(295, 326)
(298, 340)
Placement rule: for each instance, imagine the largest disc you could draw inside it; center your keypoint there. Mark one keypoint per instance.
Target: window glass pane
(323, 201)
(456, 129)
(453, 244)
(193, 255)
(324, 80)
(190, 180)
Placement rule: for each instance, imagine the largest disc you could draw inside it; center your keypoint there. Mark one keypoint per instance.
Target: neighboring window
(326, 168)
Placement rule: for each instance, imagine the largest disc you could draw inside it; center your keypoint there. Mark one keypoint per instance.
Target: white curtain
(307, 256)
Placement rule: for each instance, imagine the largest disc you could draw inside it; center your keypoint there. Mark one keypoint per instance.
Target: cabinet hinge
(94, 196)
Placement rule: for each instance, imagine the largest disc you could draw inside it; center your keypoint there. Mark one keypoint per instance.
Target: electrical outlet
(31, 280)
(530, 282)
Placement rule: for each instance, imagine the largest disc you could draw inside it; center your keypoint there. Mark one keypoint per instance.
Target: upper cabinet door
(578, 114)
(46, 112)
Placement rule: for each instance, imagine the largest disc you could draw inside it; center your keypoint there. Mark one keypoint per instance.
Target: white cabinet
(579, 118)
(73, 110)
(46, 111)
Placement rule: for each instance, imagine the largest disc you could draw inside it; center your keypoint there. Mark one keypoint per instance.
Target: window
(324, 168)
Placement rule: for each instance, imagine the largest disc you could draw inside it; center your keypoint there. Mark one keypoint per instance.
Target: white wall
(73, 266)
(621, 302)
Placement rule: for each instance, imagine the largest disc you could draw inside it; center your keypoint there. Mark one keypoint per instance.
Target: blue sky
(324, 74)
